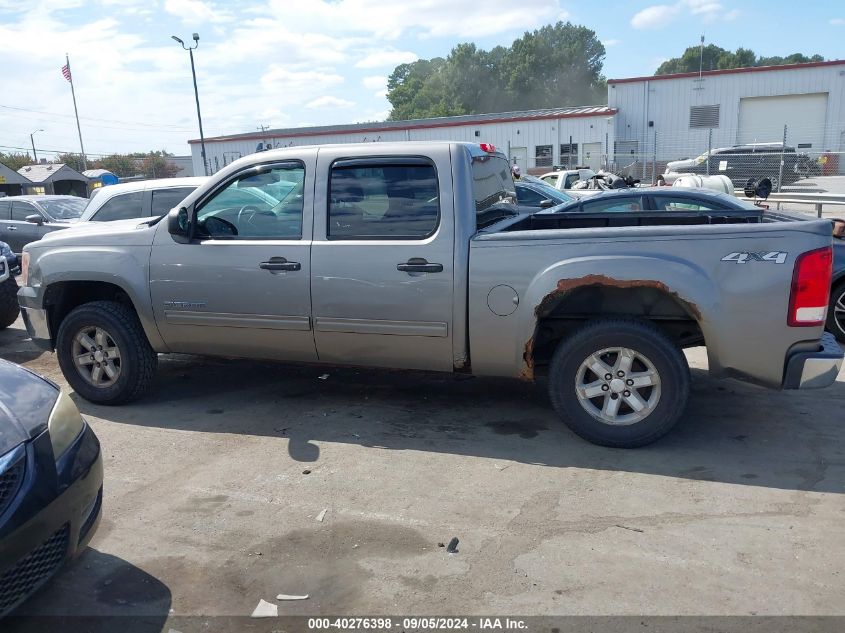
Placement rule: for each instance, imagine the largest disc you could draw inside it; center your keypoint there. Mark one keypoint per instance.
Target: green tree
(15, 161)
(121, 165)
(74, 161)
(717, 58)
(553, 66)
(156, 165)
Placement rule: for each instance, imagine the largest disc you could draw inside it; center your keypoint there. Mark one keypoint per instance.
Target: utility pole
(190, 50)
(32, 140)
(701, 57)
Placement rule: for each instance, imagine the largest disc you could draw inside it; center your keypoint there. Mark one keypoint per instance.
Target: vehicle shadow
(16, 345)
(732, 432)
(97, 592)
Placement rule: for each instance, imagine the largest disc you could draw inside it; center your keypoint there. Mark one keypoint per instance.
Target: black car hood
(26, 400)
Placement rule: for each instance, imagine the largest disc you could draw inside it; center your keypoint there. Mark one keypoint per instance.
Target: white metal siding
(761, 118)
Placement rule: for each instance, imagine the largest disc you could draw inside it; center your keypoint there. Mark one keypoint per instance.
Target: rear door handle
(419, 265)
(279, 263)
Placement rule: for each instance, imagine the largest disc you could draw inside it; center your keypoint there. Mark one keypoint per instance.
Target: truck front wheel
(104, 353)
(619, 382)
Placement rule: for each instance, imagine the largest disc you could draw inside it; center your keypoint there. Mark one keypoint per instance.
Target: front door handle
(12, 227)
(279, 263)
(419, 265)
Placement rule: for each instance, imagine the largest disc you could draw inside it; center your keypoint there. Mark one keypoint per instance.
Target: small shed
(11, 182)
(55, 179)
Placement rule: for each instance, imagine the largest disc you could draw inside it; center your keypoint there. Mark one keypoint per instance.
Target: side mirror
(35, 218)
(179, 225)
(547, 203)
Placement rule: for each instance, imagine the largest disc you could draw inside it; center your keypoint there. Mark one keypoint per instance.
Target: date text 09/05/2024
(417, 623)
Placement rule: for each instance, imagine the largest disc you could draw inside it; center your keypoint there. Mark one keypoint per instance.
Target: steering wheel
(247, 209)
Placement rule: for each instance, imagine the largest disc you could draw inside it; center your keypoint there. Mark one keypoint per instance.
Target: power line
(66, 151)
(133, 124)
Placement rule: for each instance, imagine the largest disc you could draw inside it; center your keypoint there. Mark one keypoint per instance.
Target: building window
(704, 116)
(569, 154)
(543, 156)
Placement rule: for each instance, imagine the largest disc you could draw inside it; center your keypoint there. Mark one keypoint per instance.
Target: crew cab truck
(415, 256)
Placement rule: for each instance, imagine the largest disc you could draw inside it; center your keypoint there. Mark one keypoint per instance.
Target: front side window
(254, 206)
(528, 196)
(383, 201)
(121, 207)
(616, 205)
(165, 199)
(20, 211)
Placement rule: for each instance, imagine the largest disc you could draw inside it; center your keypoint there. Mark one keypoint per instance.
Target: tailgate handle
(279, 263)
(419, 265)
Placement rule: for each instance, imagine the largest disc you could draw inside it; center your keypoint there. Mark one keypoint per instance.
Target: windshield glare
(65, 209)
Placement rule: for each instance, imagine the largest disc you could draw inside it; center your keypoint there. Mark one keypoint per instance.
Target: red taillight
(487, 147)
(810, 288)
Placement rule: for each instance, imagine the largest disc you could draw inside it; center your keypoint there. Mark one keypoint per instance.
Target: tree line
(147, 164)
(557, 65)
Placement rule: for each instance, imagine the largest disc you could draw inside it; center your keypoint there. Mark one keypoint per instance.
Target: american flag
(66, 72)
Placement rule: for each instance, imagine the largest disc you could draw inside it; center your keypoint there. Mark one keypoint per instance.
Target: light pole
(32, 140)
(190, 50)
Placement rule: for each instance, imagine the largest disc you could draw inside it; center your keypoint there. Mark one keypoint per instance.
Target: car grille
(33, 570)
(10, 482)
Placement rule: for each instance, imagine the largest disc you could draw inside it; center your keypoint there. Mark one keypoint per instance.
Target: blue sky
(287, 63)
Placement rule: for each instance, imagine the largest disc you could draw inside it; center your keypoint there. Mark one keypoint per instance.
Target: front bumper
(52, 517)
(35, 317)
(814, 369)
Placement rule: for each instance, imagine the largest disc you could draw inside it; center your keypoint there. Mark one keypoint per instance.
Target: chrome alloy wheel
(96, 356)
(618, 386)
(839, 313)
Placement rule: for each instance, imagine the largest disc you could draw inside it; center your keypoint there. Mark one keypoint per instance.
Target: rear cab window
(392, 198)
(493, 189)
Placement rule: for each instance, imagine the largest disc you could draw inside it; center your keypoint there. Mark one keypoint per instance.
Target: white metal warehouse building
(657, 118)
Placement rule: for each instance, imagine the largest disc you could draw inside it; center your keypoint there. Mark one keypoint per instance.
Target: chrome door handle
(279, 263)
(12, 227)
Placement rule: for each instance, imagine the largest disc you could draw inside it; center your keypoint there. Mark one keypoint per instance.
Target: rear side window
(616, 205)
(680, 203)
(121, 207)
(20, 211)
(383, 200)
(165, 199)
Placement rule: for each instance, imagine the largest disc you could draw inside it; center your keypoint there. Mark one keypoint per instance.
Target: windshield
(64, 209)
(550, 191)
(495, 195)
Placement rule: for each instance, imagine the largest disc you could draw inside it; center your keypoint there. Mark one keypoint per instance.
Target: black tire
(837, 325)
(138, 361)
(9, 308)
(644, 339)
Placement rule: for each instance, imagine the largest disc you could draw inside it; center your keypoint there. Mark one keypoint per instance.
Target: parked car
(564, 179)
(417, 257)
(742, 162)
(24, 219)
(533, 194)
(140, 199)
(51, 483)
(9, 308)
(704, 203)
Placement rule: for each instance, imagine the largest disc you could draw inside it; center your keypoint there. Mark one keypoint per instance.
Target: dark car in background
(533, 194)
(677, 200)
(51, 483)
(742, 162)
(9, 267)
(24, 219)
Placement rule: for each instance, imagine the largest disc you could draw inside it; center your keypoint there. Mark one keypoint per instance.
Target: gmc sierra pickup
(415, 256)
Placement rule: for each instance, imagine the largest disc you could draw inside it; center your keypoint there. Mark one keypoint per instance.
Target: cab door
(241, 287)
(382, 259)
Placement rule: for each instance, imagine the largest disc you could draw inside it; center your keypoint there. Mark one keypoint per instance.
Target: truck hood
(26, 400)
(135, 232)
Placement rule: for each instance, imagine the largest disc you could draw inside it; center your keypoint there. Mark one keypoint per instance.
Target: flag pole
(76, 112)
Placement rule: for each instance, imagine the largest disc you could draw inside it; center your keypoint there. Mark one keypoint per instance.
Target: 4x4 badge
(778, 257)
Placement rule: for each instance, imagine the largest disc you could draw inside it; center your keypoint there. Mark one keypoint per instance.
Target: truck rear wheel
(619, 382)
(104, 353)
(836, 312)
(9, 309)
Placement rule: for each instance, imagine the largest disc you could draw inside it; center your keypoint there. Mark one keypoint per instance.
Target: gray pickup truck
(415, 256)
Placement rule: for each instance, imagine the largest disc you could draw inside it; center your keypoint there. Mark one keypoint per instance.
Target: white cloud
(196, 11)
(661, 15)
(329, 101)
(384, 58)
(374, 82)
(611, 42)
(838, 21)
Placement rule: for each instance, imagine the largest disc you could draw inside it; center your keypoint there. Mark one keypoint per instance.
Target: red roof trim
(400, 128)
(727, 71)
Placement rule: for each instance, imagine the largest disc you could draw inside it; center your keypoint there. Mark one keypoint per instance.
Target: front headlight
(65, 425)
(24, 276)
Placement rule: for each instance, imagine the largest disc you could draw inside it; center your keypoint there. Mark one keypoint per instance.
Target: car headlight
(24, 276)
(65, 424)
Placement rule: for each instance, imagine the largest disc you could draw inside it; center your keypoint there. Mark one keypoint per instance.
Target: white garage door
(761, 119)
